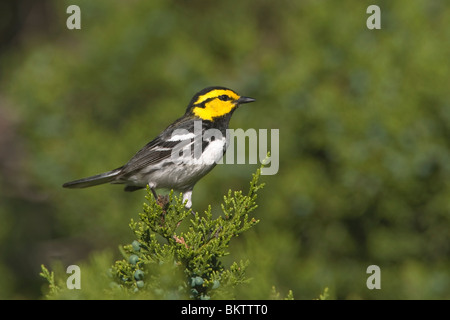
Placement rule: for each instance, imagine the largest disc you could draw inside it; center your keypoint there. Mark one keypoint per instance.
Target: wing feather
(160, 148)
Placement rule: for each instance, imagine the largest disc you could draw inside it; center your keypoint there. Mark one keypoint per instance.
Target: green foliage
(364, 136)
(275, 295)
(161, 255)
(164, 262)
(325, 295)
(50, 277)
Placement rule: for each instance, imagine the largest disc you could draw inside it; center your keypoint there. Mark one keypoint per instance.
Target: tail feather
(93, 180)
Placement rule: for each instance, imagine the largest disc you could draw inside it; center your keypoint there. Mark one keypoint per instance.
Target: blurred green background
(363, 116)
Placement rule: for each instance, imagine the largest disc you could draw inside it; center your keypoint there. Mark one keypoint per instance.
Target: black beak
(242, 100)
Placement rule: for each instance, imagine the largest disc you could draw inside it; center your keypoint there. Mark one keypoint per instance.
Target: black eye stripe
(203, 104)
(223, 97)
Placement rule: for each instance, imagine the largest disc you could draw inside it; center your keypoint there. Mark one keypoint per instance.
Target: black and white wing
(161, 148)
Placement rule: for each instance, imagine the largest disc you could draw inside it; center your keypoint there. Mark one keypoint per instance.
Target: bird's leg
(154, 193)
(187, 197)
(162, 201)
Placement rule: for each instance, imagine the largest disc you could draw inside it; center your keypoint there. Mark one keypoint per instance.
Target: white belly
(181, 173)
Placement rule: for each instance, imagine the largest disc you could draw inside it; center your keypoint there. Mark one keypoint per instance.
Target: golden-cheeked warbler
(157, 165)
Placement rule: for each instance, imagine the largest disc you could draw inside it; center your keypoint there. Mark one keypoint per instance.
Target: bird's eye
(224, 97)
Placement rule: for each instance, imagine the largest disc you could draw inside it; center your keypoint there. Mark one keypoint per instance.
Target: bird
(181, 154)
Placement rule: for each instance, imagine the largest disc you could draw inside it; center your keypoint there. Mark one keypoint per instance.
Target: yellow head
(215, 102)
